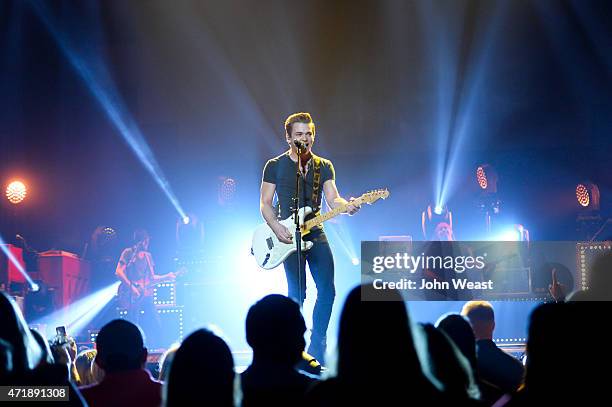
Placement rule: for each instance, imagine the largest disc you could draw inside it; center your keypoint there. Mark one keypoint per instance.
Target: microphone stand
(298, 230)
(26, 246)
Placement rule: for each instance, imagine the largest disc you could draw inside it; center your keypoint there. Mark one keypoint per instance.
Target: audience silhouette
(122, 357)
(275, 330)
(566, 357)
(30, 363)
(494, 365)
(450, 369)
(458, 329)
(201, 372)
(381, 359)
(377, 360)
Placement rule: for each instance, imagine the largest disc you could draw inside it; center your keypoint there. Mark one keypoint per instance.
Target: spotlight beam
(594, 27)
(202, 39)
(102, 87)
(472, 69)
(341, 236)
(443, 56)
(78, 315)
(459, 59)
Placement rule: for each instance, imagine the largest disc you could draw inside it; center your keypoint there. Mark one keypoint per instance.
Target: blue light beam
(342, 237)
(78, 315)
(459, 75)
(102, 87)
(465, 121)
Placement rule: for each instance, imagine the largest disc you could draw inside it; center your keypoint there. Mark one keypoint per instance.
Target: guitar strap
(316, 185)
(316, 182)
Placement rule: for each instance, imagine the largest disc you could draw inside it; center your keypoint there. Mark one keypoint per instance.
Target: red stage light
(582, 194)
(481, 177)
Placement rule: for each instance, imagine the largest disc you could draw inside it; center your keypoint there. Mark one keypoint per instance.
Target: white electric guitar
(270, 252)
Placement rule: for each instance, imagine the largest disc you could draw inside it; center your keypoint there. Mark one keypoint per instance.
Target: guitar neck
(309, 224)
(162, 279)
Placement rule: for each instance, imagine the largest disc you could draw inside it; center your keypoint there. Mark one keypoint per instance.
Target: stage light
(589, 223)
(186, 220)
(438, 213)
(35, 287)
(509, 236)
(432, 217)
(517, 233)
(582, 194)
(486, 177)
(96, 76)
(227, 190)
(587, 195)
(355, 261)
(488, 202)
(481, 177)
(16, 192)
(78, 315)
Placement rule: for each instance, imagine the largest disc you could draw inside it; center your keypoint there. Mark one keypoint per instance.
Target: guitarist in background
(136, 272)
(318, 177)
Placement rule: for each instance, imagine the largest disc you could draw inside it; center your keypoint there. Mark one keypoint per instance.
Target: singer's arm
(267, 211)
(334, 199)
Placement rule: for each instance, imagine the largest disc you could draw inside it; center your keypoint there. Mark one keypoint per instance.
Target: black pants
(321, 263)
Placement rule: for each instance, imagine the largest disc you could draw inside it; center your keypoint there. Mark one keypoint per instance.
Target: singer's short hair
(301, 117)
(478, 311)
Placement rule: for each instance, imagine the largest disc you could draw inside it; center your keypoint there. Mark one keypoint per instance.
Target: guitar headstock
(372, 196)
(180, 271)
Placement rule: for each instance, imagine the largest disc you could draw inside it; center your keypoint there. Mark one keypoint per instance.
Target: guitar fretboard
(309, 224)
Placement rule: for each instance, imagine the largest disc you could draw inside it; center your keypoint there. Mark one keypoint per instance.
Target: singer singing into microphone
(318, 178)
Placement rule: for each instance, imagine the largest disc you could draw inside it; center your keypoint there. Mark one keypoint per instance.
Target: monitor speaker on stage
(65, 273)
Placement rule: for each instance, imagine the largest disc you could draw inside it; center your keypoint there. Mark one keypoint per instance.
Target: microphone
(25, 244)
(299, 145)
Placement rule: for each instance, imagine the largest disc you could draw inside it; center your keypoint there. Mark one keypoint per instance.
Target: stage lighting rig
(227, 190)
(517, 233)
(587, 195)
(16, 192)
(589, 224)
(488, 202)
(486, 177)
